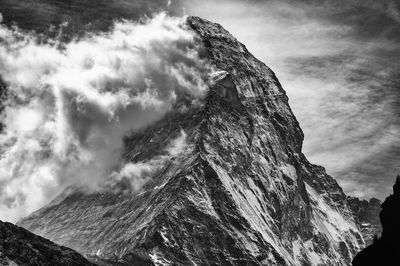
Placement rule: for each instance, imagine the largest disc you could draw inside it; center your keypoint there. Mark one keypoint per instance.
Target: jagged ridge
(366, 214)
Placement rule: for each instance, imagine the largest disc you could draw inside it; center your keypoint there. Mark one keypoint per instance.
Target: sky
(337, 60)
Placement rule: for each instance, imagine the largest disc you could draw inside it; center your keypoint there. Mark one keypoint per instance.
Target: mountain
(20, 247)
(366, 214)
(239, 193)
(385, 250)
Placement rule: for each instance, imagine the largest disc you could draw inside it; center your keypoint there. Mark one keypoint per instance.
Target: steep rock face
(385, 250)
(240, 193)
(366, 214)
(20, 247)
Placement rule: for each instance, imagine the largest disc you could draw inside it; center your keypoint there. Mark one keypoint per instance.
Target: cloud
(393, 11)
(358, 188)
(139, 173)
(77, 16)
(70, 107)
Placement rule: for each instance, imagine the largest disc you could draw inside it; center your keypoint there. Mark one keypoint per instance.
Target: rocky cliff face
(385, 250)
(20, 247)
(366, 214)
(239, 193)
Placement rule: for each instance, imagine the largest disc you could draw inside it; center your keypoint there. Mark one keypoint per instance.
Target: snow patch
(158, 260)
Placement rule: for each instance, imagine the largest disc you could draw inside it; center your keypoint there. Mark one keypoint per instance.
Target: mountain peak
(228, 183)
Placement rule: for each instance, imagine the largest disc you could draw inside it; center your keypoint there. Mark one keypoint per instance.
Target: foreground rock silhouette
(385, 250)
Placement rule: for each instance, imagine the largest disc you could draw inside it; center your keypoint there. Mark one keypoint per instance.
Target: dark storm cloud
(78, 16)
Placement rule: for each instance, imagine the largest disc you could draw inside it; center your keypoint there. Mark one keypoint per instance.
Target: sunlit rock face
(20, 247)
(238, 192)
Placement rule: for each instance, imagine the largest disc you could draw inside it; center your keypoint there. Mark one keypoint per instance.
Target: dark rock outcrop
(18, 246)
(366, 214)
(240, 192)
(386, 249)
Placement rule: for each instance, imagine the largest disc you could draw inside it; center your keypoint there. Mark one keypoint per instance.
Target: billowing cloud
(70, 106)
(138, 174)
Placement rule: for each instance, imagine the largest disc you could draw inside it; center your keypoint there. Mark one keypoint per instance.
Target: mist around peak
(70, 105)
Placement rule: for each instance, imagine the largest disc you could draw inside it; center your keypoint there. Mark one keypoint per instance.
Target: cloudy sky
(338, 60)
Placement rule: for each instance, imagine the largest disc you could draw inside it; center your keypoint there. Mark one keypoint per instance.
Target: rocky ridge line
(366, 213)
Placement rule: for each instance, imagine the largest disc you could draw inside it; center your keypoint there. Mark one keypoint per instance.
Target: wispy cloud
(139, 173)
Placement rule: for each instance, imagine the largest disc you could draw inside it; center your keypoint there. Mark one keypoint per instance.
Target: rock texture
(20, 247)
(366, 214)
(385, 250)
(240, 193)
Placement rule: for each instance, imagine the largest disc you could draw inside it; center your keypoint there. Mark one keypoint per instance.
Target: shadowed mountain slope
(20, 247)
